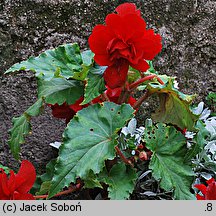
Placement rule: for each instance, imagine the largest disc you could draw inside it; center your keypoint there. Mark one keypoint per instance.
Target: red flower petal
(201, 187)
(26, 196)
(210, 181)
(150, 44)
(141, 66)
(76, 106)
(116, 75)
(99, 39)
(116, 25)
(211, 191)
(131, 101)
(12, 182)
(4, 190)
(113, 93)
(199, 197)
(103, 60)
(125, 27)
(127, 8)
(62, 111)
(25, 178)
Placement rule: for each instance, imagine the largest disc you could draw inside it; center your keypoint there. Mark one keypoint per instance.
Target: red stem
(70, 190)
(125, 160)
(139, 102)
(141, 80)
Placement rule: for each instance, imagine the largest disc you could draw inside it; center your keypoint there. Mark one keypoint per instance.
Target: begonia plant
(94, 91)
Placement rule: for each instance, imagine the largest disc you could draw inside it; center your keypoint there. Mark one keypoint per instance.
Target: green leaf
(174, 106)
(95, 85)
(92, 181)
(151, 69)
(167, 163)
(88, 141)
(121, 180)
(64, 60)
(60, 90)
(6, 169)
(133, 75)
(47, 177)
(43, 182)
(87, 57)
(22, 127)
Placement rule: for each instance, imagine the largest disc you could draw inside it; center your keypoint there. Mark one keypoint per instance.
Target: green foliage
(95, 85)
(199, 139)
(167, 162)
(211, 101)
(60, 90)
(43, 182)
(88, 141)
(174, 105)
(6, 169)
(64, 60)
(87, 57)
(211, 98)
(121, 181)
(22, 127)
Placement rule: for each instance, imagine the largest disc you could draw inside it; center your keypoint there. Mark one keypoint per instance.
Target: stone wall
(28, 27)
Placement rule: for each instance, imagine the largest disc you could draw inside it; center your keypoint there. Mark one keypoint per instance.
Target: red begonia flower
(121, 42)
(66, 111)
(17, 186)
(209, 191)
(62, 111)
(114, 94)
(76, 106)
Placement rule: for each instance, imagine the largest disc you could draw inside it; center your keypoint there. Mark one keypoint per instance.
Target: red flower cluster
(209, 192)
(17, 186)
(123, 41)
(67, 112)
(114, 94)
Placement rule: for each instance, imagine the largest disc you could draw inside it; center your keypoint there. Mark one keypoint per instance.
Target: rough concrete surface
(28, 27)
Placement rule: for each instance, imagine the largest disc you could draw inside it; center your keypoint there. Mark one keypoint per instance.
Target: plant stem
(141, 80)
(139, 102)
(70, 190)
(124, 159)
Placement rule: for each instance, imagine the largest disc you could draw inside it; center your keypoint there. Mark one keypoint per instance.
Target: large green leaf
(167, 163)
(95, 85)
(64, 60)
(60, 90)
(22, 127)
(88, 141)
(121, 180)
(174, 106)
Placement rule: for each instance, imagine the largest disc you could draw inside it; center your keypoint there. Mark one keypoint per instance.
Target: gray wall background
(28, 27)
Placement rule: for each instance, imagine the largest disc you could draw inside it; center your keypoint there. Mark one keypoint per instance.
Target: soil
(28, 27)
